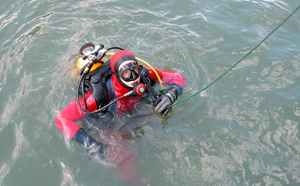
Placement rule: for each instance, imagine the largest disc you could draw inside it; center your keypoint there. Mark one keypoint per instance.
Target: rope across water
(255, 47)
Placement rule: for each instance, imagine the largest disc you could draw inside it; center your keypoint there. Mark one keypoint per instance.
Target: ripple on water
(242, 131)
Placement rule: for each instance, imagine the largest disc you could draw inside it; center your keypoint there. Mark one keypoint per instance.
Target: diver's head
(126, 68)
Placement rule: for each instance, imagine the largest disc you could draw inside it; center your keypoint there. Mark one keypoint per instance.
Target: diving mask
(130, 71)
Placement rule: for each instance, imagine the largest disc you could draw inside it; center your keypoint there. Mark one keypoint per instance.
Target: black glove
(92, 146)
(164, 100)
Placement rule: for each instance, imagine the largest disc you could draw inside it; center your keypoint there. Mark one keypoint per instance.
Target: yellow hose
(111, 54)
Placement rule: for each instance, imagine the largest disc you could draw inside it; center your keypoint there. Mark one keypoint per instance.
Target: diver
(117, 84)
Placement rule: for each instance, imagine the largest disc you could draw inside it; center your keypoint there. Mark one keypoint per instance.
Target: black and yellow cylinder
(81, 63)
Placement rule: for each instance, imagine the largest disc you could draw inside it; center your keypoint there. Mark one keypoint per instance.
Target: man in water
(124, 76)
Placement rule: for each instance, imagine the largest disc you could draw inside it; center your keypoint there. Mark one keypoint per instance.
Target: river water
(244, 130)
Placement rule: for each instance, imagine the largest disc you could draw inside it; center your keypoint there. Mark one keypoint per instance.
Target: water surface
(244, 130)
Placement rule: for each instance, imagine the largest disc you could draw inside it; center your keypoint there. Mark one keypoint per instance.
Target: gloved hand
(164, 100)
(92, 146)
(96, 148)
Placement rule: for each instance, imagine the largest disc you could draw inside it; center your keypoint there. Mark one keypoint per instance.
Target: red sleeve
(168, 77)
(66, 119)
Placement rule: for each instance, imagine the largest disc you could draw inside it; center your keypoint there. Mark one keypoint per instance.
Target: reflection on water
(244, 130)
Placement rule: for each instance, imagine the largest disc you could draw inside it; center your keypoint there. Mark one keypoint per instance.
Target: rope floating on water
(255, 47)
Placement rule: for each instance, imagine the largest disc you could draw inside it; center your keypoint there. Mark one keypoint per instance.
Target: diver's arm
(91, 145)
(171, 78)
(66, 119)
(176, 83)
(66, 122)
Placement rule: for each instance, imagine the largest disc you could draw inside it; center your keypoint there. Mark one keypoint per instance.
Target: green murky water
(244, 130)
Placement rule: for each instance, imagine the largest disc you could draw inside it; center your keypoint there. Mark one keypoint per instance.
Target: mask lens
(131, 72)
(126, 74)
(138, 69)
